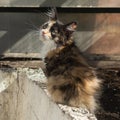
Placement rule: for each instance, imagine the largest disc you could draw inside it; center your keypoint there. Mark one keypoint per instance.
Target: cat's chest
(47, 47)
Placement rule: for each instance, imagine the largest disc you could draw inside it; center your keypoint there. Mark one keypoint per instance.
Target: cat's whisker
(31, 24)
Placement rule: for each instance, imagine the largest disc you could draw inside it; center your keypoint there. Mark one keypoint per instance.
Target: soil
(110, 98)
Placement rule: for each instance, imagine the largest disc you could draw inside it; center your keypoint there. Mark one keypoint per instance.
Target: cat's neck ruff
(47, 47)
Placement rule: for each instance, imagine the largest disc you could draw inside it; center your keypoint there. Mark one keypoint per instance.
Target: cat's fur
(71, 80)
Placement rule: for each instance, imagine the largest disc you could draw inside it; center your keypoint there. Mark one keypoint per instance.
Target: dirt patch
(110, 100)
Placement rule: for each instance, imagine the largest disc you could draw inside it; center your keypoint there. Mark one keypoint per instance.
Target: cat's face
(55, 30)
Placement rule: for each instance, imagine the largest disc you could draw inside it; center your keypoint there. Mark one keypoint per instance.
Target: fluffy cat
(71, 80)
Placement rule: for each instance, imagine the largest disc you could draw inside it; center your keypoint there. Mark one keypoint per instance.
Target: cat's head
(55, 30)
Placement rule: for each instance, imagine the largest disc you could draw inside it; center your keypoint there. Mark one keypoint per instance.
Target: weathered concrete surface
(63, 3)
(24, 100)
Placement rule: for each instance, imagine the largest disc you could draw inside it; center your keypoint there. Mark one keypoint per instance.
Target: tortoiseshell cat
(71, 80)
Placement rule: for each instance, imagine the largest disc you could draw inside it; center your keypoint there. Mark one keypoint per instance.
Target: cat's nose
(43, 32)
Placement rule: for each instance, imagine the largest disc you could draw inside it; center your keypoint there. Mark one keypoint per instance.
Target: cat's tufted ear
(71, 26)
(52, 14)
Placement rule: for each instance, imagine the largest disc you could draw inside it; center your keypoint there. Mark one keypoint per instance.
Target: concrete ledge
(24, 100)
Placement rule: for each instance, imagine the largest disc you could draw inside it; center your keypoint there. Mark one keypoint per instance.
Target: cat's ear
(71, 26)
(52, 14)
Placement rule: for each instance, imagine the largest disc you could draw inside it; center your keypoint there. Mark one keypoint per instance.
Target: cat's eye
(53, 33)
(45, 26)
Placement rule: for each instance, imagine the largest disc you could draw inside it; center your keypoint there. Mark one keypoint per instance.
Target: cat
(71, 81)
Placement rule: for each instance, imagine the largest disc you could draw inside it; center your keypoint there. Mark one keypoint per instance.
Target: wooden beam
(20, 55)
(40, 64)
(33, 60)
(108, 57)
(102, 57)
(22, 64)
(105, 64)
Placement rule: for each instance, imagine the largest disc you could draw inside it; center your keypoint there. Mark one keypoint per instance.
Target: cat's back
(66, 57)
